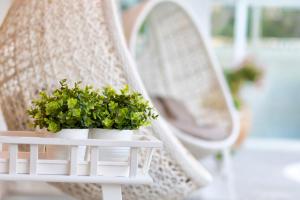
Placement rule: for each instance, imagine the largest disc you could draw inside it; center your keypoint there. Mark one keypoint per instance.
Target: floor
(258, 175)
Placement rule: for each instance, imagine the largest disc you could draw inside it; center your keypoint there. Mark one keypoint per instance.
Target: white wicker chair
(43, 41)
(175, 60)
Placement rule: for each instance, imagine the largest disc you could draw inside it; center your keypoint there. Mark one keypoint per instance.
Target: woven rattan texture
(169, 50)
(43, 41)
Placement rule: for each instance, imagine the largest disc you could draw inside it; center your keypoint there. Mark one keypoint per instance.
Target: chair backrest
(43, 41)
(174, 60)
(35, 55)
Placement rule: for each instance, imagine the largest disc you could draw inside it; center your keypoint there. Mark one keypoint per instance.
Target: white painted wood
(133, 162)
(36, 166)
(228, 173)
(140, 179)
(13, 156)
(256, 25)
(148, 160)
(74, 160)
(240, 31)
(60, 152)
(111, 192)
(226, 162)
(94, 161)
(33, 159)
(139, 141)
(57, 167)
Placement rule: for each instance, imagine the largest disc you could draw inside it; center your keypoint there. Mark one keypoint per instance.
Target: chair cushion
(179, 116)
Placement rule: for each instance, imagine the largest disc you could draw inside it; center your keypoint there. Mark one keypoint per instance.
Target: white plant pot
(113, 154)
(58, 152)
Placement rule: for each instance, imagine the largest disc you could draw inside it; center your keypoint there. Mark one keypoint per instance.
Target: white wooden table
(34, 165)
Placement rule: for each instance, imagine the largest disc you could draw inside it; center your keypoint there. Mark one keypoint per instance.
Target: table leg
(111, 192)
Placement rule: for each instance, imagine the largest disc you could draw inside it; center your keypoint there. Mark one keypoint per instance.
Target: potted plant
(65, 113)
(247, 73)
(117, 115)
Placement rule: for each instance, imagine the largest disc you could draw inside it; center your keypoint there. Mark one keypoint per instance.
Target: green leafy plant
(124, 109)
(65, 107)
(84, 107)
(248, 72)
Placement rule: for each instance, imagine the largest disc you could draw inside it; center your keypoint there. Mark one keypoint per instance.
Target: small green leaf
(52, 107)
(72, 103)
(107, 123)
(76, 112)
(53, 127)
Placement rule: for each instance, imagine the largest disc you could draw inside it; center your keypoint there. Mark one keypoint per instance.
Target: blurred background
(266, 34)
(259, 38)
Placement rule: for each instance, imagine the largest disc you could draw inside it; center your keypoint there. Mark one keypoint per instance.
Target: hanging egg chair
(182, 75)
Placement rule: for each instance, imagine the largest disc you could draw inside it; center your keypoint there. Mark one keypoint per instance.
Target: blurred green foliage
(280, 22)
(223, 21)
(248, 72)
(275, 22)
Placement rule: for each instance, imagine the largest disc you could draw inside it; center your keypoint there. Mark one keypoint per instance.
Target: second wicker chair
(175, 61)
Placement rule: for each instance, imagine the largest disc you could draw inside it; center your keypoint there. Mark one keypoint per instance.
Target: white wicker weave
(43, 41)
(174, 60)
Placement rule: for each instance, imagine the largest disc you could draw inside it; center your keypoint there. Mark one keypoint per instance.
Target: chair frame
(133, 20)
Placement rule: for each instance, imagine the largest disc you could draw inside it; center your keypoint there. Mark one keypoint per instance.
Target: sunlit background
(268, 34)
(265, 35)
